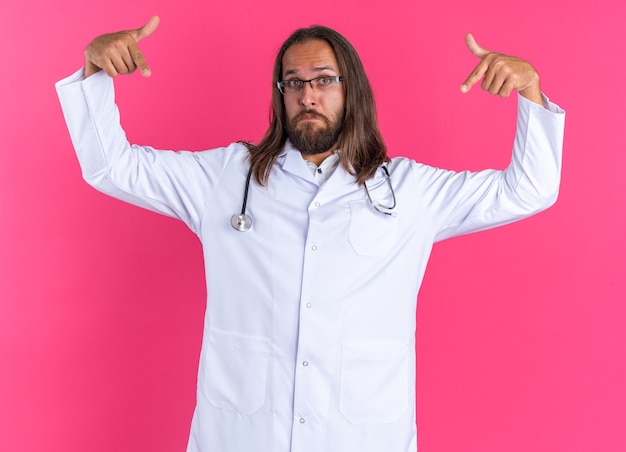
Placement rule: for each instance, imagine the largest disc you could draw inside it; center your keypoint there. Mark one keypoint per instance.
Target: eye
(293, 83)
(324, 80)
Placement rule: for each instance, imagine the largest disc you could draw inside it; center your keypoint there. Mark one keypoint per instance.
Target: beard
(309, 139)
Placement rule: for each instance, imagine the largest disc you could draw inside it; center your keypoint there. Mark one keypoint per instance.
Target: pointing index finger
(140, 60)
(138, 35)
(480, 69)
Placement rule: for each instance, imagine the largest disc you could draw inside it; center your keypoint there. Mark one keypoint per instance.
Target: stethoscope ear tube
(242, 221)
(386, 210)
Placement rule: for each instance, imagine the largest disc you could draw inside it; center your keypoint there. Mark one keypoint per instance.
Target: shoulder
(405, 165)
(234, 153)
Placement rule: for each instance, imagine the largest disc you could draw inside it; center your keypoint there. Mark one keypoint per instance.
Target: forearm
(93, 122)
(486, 199)
(157, 180)
(533, 176)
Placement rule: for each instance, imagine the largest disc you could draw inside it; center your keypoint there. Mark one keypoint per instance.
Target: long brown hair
(362, 147)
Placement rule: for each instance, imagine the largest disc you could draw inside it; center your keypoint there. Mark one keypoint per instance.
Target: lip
(309, 117)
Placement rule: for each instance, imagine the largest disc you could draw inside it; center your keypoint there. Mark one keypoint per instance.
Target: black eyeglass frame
(300, 83)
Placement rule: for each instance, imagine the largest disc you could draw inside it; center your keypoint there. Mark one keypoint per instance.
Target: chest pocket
(371, 233)
(236, 371)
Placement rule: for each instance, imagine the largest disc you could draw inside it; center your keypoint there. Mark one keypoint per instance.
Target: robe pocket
(371, 233)
(374, 387)
(235, 372)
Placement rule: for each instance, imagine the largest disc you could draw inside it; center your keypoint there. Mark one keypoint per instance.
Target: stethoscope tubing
(242, 221)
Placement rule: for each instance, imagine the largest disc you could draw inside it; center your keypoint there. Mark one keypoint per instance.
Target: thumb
(473, 46)
(147, 29)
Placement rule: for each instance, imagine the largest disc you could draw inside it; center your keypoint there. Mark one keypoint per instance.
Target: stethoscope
(242, 221)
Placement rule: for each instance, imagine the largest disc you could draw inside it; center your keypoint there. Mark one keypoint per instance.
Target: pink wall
(521, 337)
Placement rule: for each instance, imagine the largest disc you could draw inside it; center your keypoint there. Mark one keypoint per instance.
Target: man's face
(314, 114)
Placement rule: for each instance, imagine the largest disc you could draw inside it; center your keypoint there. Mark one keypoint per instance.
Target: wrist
(533, 93)
(91, 69)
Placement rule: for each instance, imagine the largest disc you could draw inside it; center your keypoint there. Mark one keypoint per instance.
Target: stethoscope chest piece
(241, 222)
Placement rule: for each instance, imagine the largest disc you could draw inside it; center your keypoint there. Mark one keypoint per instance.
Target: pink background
(521, 337)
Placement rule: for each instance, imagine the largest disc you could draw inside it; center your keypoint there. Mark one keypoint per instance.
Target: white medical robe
(309, 330)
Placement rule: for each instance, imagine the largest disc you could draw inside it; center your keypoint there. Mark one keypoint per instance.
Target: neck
(317, 159)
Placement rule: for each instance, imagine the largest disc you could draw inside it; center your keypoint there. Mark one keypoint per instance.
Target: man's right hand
(118, 53)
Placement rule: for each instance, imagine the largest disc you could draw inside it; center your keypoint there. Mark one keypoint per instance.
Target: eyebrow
(316, 69)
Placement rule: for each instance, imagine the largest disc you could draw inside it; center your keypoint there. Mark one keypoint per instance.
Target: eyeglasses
(320, 83)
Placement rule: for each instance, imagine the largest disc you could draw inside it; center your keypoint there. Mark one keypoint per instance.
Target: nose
(308, 95)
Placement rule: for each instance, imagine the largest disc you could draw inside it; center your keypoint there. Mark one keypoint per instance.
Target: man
(309, 330)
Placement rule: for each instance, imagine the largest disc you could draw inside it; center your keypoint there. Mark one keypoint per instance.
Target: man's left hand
(502, 74)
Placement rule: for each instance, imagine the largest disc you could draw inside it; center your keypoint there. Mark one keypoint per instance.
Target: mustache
(310, 113)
